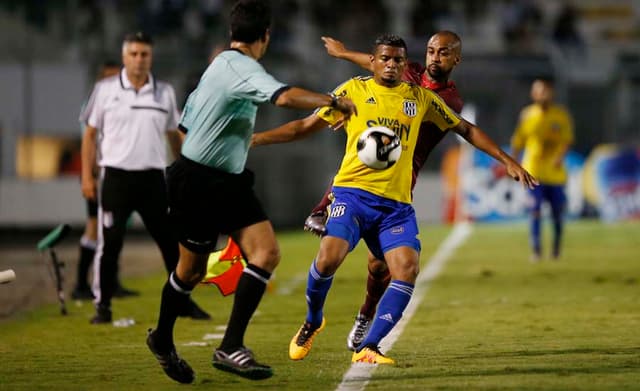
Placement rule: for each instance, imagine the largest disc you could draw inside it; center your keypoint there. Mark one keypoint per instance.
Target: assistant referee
(132, 115)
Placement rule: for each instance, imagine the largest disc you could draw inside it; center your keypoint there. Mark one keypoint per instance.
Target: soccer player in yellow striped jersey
(545, 132)
(375, 205)
(401, 108)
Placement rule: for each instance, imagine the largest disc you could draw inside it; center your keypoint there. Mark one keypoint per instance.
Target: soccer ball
(379, 147)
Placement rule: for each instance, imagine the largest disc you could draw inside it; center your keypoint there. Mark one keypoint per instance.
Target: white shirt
(132, 125)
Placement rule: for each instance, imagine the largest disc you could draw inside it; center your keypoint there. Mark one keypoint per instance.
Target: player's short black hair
(389, 40)
(139, 37)
(250, 20)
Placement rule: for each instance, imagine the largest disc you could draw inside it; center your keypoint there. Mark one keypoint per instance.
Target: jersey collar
(126, 84)
(434, 85)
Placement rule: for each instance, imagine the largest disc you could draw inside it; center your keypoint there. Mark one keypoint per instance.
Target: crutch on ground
(47, 246)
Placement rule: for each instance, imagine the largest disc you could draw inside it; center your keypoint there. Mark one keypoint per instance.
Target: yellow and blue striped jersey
(402, 109)
(544, 135)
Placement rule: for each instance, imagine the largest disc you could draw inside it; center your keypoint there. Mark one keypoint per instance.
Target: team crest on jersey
(410, 108)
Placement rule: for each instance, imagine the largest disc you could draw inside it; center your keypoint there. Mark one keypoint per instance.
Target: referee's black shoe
(174, 366)
(241, 362)
(194, 312)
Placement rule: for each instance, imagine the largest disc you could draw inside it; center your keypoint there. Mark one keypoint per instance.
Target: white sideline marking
(358, 375)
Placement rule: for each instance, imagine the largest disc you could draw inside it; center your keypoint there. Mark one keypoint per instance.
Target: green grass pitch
(490, 321)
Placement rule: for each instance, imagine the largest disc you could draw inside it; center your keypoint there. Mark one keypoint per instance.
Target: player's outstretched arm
(516, 152)
(479, 139)
(337, 49)
(299, 98)
(291, 131)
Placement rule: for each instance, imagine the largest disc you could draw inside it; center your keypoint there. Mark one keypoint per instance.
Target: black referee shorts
(205, 202)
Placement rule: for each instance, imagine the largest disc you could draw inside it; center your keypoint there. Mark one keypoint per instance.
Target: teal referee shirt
(220, 113)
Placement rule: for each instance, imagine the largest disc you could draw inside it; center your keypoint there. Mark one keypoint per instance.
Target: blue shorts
(553, 194)
(384, 224)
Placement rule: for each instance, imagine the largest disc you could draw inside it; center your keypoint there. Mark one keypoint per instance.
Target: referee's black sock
(251, 287)
(175, 296)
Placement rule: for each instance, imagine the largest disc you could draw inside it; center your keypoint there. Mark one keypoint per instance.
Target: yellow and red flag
(225, 267)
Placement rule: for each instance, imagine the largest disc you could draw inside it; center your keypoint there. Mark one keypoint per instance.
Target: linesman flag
(225, 267)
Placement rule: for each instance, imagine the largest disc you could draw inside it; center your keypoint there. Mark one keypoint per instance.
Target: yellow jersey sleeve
(440, 114)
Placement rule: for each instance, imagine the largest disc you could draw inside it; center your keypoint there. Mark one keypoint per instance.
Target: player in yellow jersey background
(545, 133)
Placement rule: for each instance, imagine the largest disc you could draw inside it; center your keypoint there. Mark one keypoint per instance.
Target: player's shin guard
(175, 296)
(390, 310)
(249, 292)
(317, 289)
